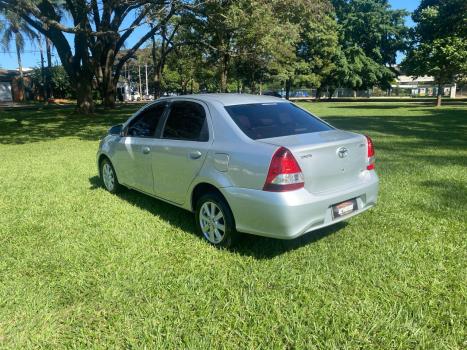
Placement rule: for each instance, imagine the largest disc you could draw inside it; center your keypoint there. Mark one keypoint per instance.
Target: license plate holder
(344, 208)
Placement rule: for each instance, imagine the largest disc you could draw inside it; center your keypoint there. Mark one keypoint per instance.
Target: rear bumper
(289, 215)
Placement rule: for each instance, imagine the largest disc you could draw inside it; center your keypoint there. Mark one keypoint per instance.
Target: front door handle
(195, 154)
(146, 150)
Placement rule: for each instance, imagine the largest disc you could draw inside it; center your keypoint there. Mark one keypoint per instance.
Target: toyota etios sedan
(242, 163)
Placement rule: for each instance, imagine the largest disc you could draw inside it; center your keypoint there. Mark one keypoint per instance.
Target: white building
(420, 86)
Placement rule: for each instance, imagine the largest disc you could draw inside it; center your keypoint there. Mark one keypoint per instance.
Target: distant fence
(395, 92)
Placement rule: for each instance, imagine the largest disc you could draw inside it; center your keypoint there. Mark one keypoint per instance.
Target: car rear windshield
(266, 120)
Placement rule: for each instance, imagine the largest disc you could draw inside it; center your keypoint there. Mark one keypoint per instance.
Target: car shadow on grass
(268, 248)
(248, 245)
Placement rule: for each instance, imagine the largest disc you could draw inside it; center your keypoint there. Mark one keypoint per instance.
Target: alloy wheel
(212, 222)
(108, 176)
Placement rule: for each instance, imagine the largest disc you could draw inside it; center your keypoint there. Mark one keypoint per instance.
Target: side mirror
(116, 130)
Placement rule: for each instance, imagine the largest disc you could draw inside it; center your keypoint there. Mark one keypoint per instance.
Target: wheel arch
(201, 189)
(101, 158)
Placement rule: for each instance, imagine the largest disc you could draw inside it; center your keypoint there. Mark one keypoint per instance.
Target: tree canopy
(93, 55)
(237, 45)
(439, 42)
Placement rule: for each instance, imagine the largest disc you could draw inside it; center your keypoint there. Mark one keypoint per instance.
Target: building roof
(401, 79)
(8, 74)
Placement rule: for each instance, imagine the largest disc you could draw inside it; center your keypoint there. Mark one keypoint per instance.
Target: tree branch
(142, 40)
(131, 29)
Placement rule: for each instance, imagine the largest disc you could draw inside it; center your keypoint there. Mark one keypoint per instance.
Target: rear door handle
(146, 149)
(195, 154)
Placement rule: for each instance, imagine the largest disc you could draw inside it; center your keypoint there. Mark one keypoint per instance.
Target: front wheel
(109, 177)
(214, 220)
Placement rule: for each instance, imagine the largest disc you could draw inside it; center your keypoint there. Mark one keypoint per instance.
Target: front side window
(266, 120)
(186, 121)
(145, 124)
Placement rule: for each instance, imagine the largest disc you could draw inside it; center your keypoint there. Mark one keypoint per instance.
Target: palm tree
(14, 27)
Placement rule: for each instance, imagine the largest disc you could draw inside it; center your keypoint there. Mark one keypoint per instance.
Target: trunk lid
(330, 160)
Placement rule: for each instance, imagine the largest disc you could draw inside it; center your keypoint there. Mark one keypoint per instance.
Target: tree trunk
(43, 73)
(157, 81)
(106, 78)
(318, 93)
(20, 67)
(157, 72)
(439, 95)
(354, 93)
(107, 88)
(108, 95)
(223, 81)
(85, 103)
(50, 92)
(224, 73)
(288, 85)
(253, 87)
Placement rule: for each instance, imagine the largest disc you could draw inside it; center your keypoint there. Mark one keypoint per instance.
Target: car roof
(228, 99)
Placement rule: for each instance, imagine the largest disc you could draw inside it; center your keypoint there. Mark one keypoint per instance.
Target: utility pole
(147, 89)
(139, 87)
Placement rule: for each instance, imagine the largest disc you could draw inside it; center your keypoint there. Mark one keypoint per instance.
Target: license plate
(344, 208)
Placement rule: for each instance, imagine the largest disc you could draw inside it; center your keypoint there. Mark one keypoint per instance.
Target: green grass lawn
(82, 268)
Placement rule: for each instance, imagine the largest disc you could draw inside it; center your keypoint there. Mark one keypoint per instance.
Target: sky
(31, 56)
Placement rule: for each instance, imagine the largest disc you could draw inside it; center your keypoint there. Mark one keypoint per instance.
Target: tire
(217, 228)
(109, 177)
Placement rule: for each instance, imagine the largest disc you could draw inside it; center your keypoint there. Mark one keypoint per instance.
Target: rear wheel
(214, 220)
(109, 177)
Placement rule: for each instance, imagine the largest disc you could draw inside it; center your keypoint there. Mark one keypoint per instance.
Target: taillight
(284, 172)
(370, 154)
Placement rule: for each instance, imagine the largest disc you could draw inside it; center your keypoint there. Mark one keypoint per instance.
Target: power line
(25, 51)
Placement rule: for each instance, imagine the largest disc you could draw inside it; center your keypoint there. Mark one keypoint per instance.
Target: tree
(107, 49)
(319, 47)
(315, 44)
(182, 65)
(98, 37)
(439, 42)
(58, 80)
(371, 34)
(266, 43)
(160, 49)
(238, 33)
(15, 28)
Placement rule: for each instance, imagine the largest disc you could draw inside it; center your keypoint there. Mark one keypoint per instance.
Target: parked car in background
(301, 93)
(272, 93)
(148, 97)
(242, 163)
(135, 96)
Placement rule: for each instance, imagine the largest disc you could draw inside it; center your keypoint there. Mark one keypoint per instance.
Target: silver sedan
(242, 163)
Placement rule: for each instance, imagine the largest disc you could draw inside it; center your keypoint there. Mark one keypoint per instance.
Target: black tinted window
(265, 120)
(145, 124)
(186, 121)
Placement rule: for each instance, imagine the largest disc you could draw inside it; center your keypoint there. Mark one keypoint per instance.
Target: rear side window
(186, 121)
(145, 124)
(266, 120)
